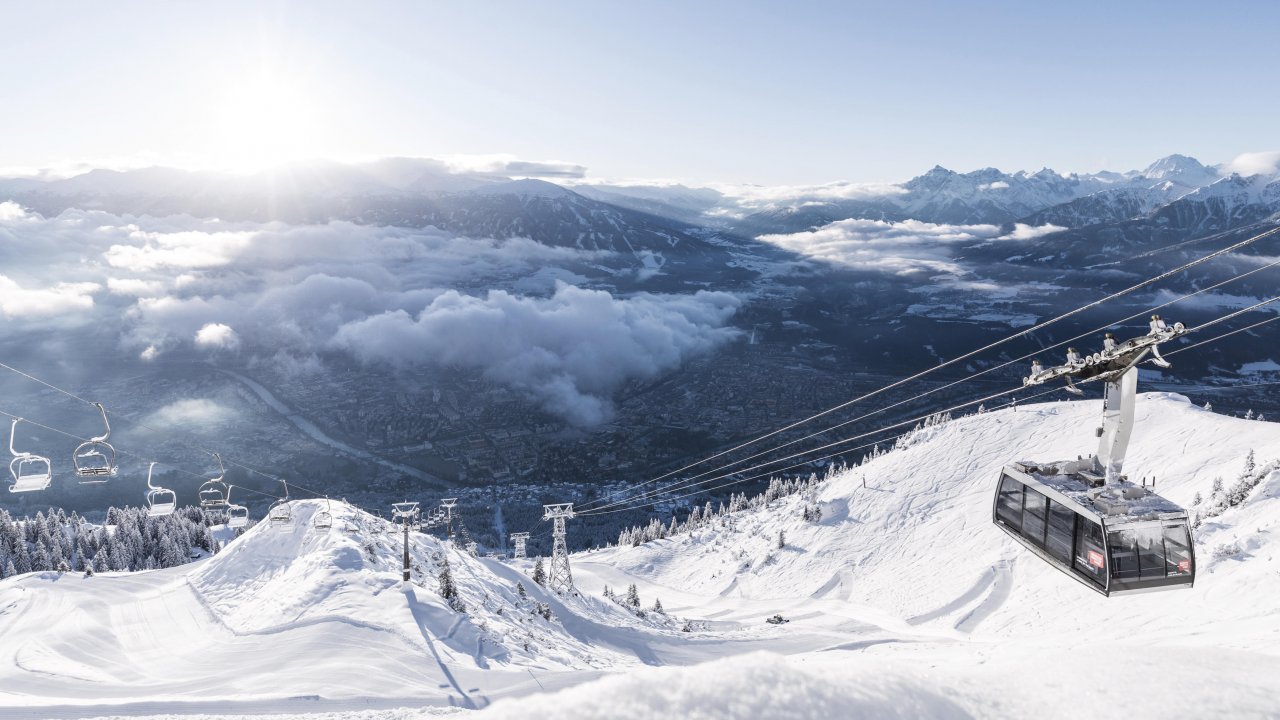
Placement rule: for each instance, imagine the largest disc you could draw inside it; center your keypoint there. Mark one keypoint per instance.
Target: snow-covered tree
(539, 572)
(448, 590)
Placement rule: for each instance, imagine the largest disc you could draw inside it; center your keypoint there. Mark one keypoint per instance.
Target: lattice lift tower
(519, 539)
(559, 578)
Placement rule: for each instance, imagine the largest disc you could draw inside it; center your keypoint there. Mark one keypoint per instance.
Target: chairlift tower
(448, 504)
(406, 512)
(560, 577)
(520, 540)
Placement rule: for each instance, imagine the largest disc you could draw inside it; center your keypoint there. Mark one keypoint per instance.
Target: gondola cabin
(1114, 540)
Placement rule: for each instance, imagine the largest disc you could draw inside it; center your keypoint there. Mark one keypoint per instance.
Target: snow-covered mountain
(902, 600)
(1163, 182)
(990, 196)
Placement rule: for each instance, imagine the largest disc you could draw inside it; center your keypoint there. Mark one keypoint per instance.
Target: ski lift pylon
(160, 501)
(95, 458)
(30, 471)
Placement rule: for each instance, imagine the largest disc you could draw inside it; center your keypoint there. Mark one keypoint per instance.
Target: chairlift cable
(773, 473)
(603, 509)
(968, 378)
(972, 353)
(1227, 334)
(850, 439)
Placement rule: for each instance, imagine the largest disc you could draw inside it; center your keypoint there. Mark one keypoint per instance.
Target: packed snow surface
(903, 601)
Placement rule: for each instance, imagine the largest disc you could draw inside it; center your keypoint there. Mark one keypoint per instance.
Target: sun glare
(265, 119)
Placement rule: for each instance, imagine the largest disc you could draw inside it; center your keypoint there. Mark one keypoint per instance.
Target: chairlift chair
(323, 520)
(281, 512)
(237, 515)
(160, 501)
(214, 493)
(95, 458)
(30, 471)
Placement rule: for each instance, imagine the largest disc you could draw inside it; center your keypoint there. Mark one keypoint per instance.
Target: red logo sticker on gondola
(1184, 566)
(1095, 559)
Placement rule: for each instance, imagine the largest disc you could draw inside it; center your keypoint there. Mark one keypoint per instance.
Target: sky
(741, 92)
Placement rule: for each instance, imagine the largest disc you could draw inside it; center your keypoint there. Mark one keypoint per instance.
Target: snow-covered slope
(903, 601)
(918, 543)
(294, 611)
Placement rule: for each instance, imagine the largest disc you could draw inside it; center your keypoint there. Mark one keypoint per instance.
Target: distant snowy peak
(1186, 171)
(988, 195)
(528, 187)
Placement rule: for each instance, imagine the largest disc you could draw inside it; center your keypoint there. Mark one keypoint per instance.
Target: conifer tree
(448, 590)
(539, 572)
(40, 558)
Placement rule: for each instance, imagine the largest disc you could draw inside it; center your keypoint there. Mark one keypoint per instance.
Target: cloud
(217, 335)
(11, 211)
(1255, 163)
(759, 196)
(569, 352)
(509, 166)
(191, 413)
(135, 287)
(192, 249)
(1022, 231)
(285, 295)
(911, 247)
(17, 301)
(997, 185)
(906, 248)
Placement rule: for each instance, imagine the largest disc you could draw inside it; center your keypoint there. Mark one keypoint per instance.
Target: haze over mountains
(940, 195)
(495, 315)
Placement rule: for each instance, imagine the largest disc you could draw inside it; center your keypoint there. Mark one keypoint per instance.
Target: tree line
(130, 539)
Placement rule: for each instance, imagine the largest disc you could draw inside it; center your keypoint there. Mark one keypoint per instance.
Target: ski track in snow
(903, 601)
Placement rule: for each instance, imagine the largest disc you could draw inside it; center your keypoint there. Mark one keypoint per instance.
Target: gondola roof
(1140, 504)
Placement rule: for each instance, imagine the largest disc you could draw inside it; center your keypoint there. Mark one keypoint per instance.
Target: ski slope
(903, 601)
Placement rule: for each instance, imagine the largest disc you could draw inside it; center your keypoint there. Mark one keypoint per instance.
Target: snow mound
(757, 685)
(917, 549)
(292, 610)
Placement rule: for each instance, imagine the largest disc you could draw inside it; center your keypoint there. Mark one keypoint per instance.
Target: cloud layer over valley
(906, 248)
(402, 297)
